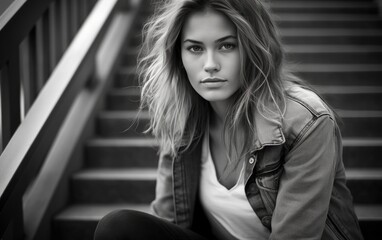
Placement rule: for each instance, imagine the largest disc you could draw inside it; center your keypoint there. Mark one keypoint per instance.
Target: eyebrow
(219, 40)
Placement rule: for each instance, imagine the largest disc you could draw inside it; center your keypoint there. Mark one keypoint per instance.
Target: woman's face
(210, 55)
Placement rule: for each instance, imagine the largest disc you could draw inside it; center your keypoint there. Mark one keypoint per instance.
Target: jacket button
(266, 220)
(251, 160)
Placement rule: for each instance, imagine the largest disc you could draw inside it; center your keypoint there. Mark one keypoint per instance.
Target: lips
(213, 80)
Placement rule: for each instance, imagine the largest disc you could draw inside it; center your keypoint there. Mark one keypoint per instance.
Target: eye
(195, 49)
(227, 46)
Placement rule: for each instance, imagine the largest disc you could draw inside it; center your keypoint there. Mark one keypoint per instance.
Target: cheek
(236, 67)
(189, 65)
(237, 63)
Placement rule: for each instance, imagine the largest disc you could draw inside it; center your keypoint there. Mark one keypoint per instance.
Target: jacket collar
(268, 130)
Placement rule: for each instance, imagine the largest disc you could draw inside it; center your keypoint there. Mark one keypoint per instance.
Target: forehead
(208, 24)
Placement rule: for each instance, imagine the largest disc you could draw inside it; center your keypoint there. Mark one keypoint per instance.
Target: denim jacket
(294, 176)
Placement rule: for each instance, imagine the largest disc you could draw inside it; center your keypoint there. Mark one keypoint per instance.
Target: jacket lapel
(186, 170)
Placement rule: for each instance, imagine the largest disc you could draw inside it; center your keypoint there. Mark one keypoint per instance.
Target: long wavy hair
(178, 114)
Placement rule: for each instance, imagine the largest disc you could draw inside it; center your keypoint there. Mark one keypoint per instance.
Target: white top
(228, 210)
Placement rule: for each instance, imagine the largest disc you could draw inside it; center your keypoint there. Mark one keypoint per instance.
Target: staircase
(338, 48)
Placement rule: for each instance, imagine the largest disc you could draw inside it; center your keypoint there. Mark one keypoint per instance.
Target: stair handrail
(17, 19)
(18, 16)
(24, 154)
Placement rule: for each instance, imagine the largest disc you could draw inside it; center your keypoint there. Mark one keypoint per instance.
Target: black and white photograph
(190, 119)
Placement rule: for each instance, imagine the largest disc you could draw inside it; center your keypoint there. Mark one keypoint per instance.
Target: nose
(211, 64)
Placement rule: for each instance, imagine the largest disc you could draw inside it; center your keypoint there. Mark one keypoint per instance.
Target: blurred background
(71, 140)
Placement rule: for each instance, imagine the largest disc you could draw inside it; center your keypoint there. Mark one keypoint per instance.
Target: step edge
(363, 174)
(359, 113)
(92, 211)
(338, 89)
(368, 212)
(70, 213)
(124, 114)
(112, 174)
(123, 142)
(332, 48)
(362, 142)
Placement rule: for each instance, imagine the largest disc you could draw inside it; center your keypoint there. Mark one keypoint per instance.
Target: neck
(219, 113)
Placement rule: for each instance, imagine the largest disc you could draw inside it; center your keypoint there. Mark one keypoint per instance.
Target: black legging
(129, 224)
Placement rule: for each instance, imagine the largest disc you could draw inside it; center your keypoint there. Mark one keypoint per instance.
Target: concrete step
(124, 185)
(122, 123)
(334, 54)
(352, 21)
(78, 222)
(322, 35)
(128, 124)
(125, 77)
(365, 185)
(361, 131)
(367, 124)
(335, 7)
(286, 19)
(130, 57)
(136, 40)
(307, 53)
(370, 220)
(117, 153)
(121, 153)
(331, 36)
(362, 153)
(123, 99)
(352, 97)
(317, 74)
(137, 185)
(341, 74)
(339, 97)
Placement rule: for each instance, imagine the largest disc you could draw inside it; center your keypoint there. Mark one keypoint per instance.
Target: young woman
(248, 151)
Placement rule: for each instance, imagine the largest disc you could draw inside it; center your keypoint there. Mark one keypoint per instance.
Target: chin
(216, 97)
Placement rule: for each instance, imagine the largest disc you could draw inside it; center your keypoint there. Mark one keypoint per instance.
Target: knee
(119, 224)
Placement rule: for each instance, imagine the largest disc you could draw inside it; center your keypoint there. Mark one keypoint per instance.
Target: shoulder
(304, 108)
(301, 98)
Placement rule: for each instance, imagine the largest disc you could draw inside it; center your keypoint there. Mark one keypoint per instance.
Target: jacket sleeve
(163, 204)
(306, 185)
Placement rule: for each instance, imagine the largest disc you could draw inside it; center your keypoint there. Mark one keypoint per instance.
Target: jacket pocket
(269, 180)
(268, 185)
